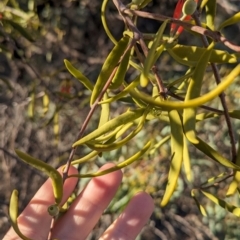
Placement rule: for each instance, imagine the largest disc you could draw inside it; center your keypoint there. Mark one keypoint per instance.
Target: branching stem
(215, 35)
(138, 36)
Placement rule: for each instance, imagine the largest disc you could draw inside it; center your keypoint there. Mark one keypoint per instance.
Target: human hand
(84, 212)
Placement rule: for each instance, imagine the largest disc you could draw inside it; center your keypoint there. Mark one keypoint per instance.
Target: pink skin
(84, 213)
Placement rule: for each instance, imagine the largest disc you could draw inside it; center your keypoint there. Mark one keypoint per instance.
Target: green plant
(180, 103)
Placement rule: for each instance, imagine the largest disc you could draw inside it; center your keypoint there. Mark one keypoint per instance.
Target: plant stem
(92, 110)
(215, 35)
(138, 36)
(229, 175)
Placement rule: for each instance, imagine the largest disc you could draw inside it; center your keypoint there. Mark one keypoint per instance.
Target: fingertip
(132, 220)
(143, 198)
(87, 208)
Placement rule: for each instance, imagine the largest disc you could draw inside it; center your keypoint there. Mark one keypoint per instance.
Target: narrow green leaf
(211, 13)
(180, 80)
(169, 105)
(110, 63)
(193, 91)
(13, 214)
(203, 3)
(231, 208)
(118, 166)
(105, 112)
(236, 178)
(78, 75)
(179, 59)
(121, 72)
(235, 114)
(47, 169)
(56, 127)
(232, 20)
(138, 4)
(191, 54)
(158, 145)
(126, 117)
(45, 102)
(31, 105)
(110, 145)
(202, 116)
(177, 155)
(200, 207)
(151, 57)
(112, 134)
(186, 160)
(89, 157)
(123, 93)
(213, 154)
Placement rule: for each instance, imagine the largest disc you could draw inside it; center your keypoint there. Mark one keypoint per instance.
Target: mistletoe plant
(181, 104)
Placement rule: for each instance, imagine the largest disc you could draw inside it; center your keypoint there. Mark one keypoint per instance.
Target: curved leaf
(232, 20)
(231, 208)
(123, 164)
(158, 145)
(213, 154)
(186, 160)
(111, 125)
(177, 155)
(236, 178)
(105, 112)
(110, 63)
(13, 214)
(123, 93)
(86, 158)
(189, 55)
(151, 58)
(45, 102)
(200, 207)
(210, 13)
(121, 72)
(193, 91)
(169, 105)
(108, 146)
(47, 169)
(78, 75)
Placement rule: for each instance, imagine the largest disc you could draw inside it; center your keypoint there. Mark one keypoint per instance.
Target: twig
(138, 36)
(215, 35)
(93, 108)
(217, 183)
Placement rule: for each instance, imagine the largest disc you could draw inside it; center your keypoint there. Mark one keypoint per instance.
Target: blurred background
(42, 108)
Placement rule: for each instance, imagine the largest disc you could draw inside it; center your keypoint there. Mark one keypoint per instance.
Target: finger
(34, 221)
(131, 221)
(88, 207)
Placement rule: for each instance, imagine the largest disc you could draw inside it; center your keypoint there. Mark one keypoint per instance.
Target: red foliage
(175, 29)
